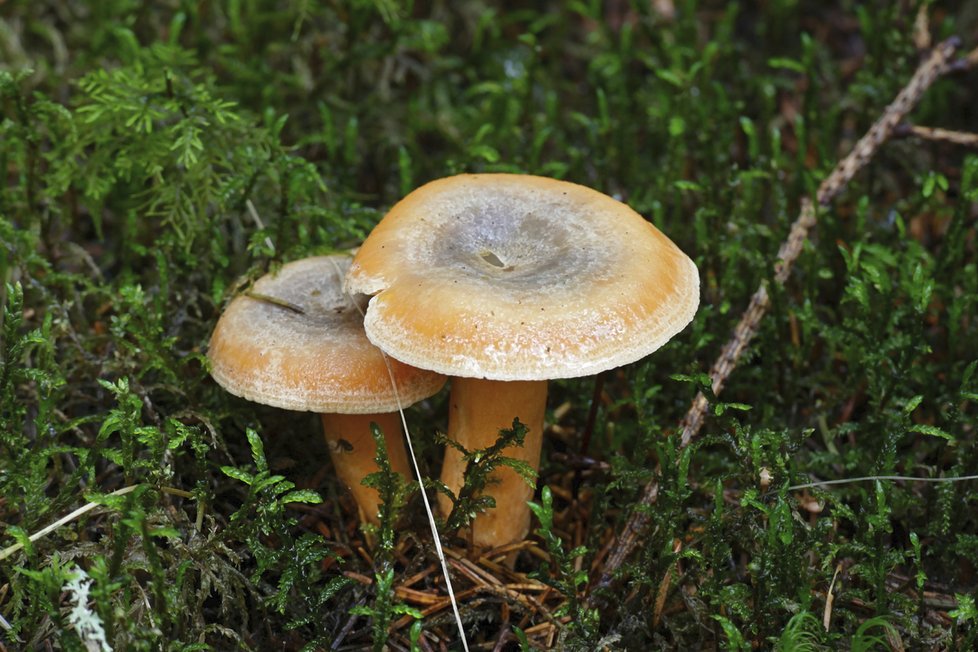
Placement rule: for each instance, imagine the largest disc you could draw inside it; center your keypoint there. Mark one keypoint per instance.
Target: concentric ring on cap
(519, 277)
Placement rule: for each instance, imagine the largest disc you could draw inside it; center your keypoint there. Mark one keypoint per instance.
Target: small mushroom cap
(518, 277)
(265, 350)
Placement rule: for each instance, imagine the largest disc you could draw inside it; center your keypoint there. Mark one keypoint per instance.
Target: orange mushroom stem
(478, 410)
(353, 452)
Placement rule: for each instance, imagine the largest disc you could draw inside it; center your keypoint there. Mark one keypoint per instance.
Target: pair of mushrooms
(500, 281)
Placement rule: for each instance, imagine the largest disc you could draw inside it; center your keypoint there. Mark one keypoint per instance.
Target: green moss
(158, 155)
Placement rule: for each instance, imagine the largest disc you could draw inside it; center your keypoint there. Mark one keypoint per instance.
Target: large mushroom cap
(518, 277)
(318, 359)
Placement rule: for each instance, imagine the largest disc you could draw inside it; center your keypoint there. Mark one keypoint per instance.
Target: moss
(157, 155)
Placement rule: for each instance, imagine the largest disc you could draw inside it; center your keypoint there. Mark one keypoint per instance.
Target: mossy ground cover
(157, 156)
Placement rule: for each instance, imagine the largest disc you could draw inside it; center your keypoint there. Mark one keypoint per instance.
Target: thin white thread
(866, 478)
(259, 223)
(417, 472)
(6, 552)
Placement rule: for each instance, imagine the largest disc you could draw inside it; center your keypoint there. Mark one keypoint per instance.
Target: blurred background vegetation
(155, 154)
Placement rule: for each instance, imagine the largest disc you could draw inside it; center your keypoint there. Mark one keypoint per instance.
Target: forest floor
(820, 494)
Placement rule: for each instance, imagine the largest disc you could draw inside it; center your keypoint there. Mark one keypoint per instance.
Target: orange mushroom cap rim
(520, 277)
(296, 341)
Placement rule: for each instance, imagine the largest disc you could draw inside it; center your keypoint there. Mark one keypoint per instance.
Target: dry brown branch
(939, 62)
(971, 60)
(937, 135)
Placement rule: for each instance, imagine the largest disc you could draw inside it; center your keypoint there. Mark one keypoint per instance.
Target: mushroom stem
(352, 449)
(478, 410)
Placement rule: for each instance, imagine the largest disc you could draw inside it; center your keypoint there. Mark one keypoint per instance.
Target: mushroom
(505, 281)
(296, 341)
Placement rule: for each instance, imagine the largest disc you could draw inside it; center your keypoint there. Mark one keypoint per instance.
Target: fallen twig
(937, 134)
(940, 61)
